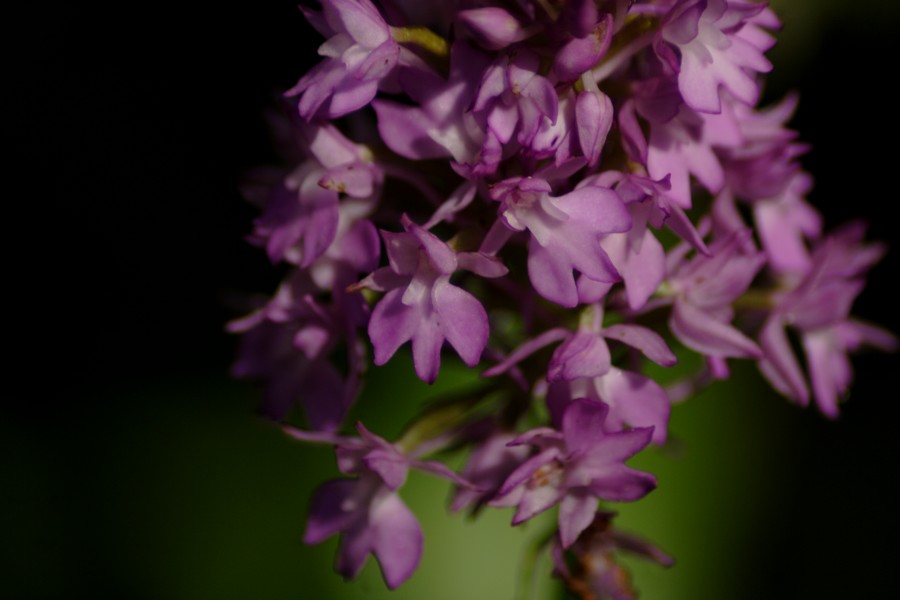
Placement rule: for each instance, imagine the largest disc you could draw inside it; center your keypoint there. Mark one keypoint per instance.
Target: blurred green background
(135, 468)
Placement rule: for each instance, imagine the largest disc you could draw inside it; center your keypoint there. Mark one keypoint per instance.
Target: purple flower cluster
(497, 175)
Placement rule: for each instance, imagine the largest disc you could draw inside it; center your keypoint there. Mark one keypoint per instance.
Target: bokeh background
(134, 467)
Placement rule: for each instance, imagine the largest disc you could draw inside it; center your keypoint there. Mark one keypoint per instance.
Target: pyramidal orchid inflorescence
(555, 192)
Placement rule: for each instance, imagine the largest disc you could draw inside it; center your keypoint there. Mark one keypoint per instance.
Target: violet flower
(513, 97)
(422, 305)
(565, 233)
(301, 217)
(574, 468)
(360, 52)
(366, 511)
(818, 307)
(704, 290)
(711, 54)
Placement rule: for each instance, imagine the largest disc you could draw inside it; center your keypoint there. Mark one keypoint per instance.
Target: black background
(131, 128)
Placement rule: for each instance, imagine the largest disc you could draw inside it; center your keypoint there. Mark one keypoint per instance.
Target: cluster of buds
(499, 175)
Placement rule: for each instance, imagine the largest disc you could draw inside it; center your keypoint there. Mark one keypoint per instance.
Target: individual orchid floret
(763, 165)
(786, 223)
(301, 217)
(422, 305)
(818, 308)
(596, 573)
(512, 98)
(565, 233)
(439, 126)
(637, 254)
(764, 172)
(710, 53)
(683, 142)
(360, 51)
(574, 468)
(581, 367)
(367, 511)
(287, 344)
(704, 290)
(634, 400)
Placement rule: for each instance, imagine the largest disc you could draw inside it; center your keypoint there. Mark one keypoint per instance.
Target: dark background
(131, 129)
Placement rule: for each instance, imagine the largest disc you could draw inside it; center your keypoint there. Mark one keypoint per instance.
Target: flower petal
(396, 540)
(576, 512)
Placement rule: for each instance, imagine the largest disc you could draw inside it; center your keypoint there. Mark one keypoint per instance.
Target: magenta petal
(644, 270)
(535, 501)
(623, 484)
(594, 118)
(392, 324)
(526, 470)
(698, 331)
(397, 539)
(619, 446)
(633, 138)
(354, 549)
(463, 319)
(402, 252)
(551, 277)
(830, 303)
(404, 130)
(494, 28)
(780, 362)
(582, 355)
(389, 464)
(427, 339)
(829, 369)
(482, 264)
(319, 209)
(439, 253)
(635, 400)
(597, 209)
(329, 513)
(646, 340)
(590, 291)
(576, 512)
(439, 469)
(582, 424)
(350, 95)
(526, 349)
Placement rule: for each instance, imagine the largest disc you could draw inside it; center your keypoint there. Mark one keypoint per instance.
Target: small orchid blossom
(818, 307)
(359, 53)
(574, 468)
(302, 214)
(565, 233)
(422, 305)
(710, 54)
(704, 290)
(367, 511)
